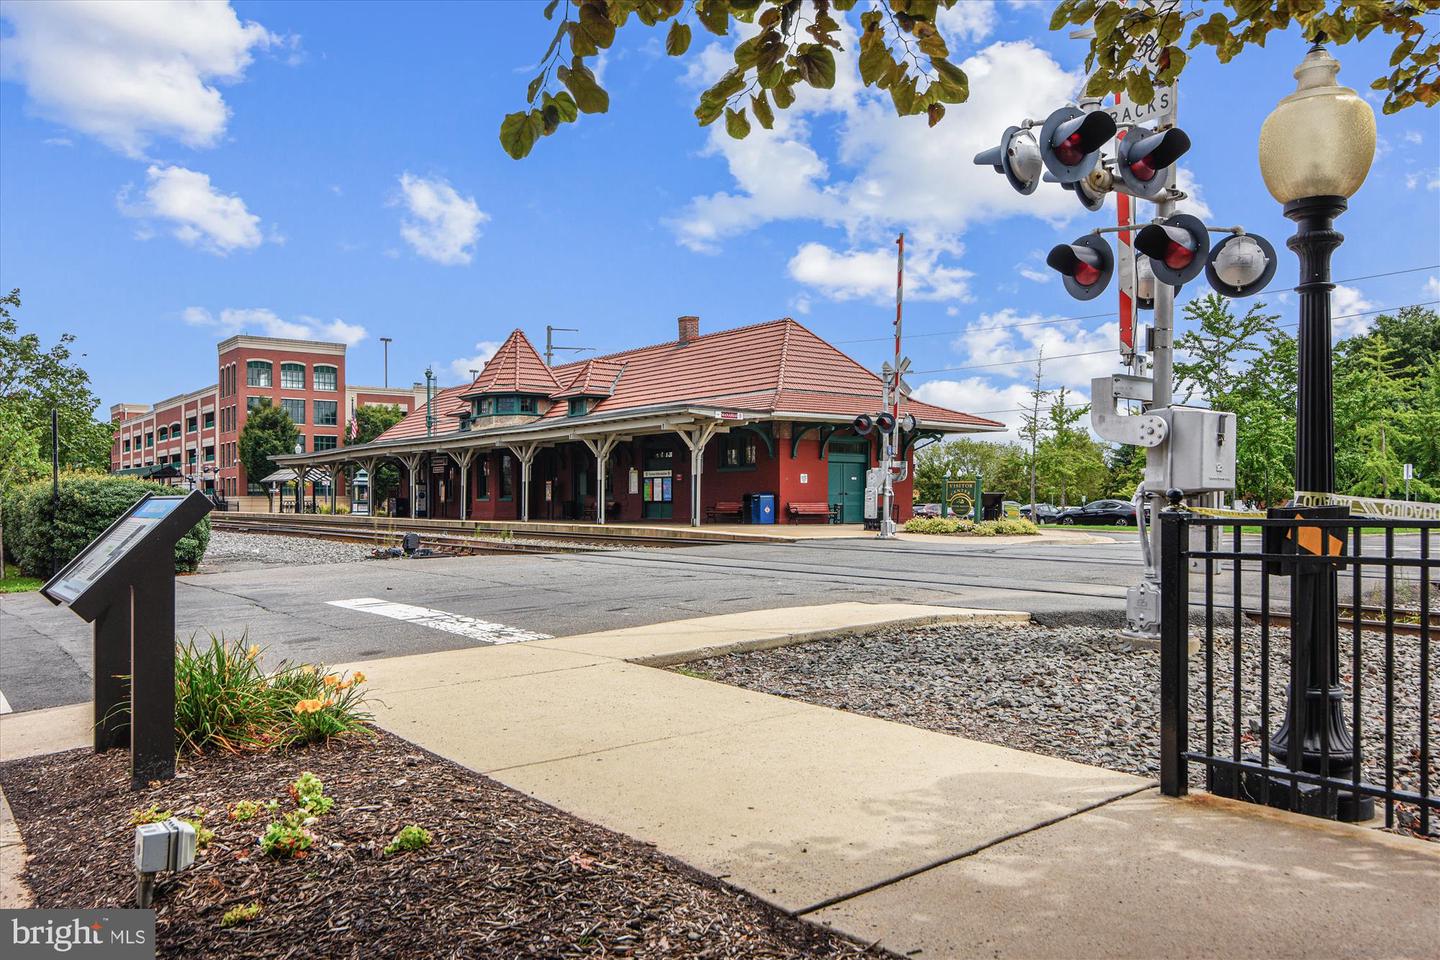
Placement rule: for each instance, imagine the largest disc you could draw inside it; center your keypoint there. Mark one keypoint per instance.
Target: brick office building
(679, 431)
(198, 433)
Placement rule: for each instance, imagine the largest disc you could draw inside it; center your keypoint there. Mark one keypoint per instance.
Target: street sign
(1409, 471)
(1160, 111)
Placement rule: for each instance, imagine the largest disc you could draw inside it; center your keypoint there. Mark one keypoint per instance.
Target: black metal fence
(1351, 605)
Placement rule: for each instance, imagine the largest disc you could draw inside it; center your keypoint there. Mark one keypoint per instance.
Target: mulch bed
(505, 876)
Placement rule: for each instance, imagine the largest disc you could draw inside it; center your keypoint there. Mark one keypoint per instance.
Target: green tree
(903, 51)
(1070, 462)
(34, 379)
(1000, 465)
(371, 420)
(269, 432)
(1413, 335)
(1426, 450)
(1374, 413)
(1245, 365)
(1126, 469)
(20, 462)
(1032, 425)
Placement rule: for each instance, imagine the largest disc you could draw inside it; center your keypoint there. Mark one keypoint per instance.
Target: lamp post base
(1309, 799)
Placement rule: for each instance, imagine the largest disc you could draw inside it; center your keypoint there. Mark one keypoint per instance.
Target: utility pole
(429, 402)
(888, 442)
(551, 346)
(54, 482)
(386, 342)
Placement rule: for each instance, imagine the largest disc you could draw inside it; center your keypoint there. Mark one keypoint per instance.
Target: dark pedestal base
(1335, 804)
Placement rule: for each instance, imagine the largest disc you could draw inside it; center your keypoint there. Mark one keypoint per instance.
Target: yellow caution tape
(1372, 507)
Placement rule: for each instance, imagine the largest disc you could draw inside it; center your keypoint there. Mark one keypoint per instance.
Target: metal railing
(1350, 603)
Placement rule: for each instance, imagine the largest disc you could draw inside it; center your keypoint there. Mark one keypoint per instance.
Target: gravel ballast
(1078, 693)
(247, 551)
(504, 875)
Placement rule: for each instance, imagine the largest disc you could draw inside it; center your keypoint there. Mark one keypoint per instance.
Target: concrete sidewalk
(918, 840)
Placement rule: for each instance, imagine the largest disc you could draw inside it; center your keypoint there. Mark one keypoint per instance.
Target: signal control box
(1199, 454)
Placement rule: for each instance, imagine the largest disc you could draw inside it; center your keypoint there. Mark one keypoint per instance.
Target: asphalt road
(290, 611)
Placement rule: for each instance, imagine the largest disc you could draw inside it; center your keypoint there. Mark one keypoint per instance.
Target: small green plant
(308, 792)
(152, 815)
(245, 810)
(408, 840)
(287, 837)
(242, 914)
(203, 834)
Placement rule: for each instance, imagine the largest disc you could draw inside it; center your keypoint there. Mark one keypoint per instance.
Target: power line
(1092, 316)
(1093, 353)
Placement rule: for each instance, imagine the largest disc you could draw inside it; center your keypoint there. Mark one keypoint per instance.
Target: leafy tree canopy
(371, 420)
(34, 379)
(903, 51)
(269, 432)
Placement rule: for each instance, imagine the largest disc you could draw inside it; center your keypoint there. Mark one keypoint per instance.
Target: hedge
(89, 502)
(988, 528)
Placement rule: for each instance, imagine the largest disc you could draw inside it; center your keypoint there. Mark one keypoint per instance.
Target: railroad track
(453, 536)
(1407, 619)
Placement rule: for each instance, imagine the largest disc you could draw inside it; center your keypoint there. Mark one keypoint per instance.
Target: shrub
(1015, 526)
(242, 914)
(409, 839)
(308, 792)
(225, 700)
(986, 528)
(89, 502)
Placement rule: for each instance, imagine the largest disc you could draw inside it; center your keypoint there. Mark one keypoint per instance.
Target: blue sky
(169, 176)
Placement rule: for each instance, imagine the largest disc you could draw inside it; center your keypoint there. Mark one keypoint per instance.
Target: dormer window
(579, 406)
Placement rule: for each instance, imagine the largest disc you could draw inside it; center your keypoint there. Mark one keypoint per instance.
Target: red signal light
(1142, 170)
(1070, 151)
(1084, 274)
(1178, 256)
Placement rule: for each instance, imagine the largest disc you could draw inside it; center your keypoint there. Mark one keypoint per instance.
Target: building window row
(259, 373)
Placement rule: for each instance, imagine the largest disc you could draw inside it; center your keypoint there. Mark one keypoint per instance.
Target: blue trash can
(763, 508)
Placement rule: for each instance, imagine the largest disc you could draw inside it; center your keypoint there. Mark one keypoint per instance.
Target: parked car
(1119, 513)
(1044, 512)
(926, 510)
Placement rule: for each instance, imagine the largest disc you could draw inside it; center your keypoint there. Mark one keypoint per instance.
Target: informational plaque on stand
(124, 584)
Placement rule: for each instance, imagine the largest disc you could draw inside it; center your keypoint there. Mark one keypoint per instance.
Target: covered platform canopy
(777, 382)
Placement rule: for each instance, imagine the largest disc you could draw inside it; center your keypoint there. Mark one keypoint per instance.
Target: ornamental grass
(226, 700)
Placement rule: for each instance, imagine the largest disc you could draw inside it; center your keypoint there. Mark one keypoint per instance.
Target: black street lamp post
(1315, 151)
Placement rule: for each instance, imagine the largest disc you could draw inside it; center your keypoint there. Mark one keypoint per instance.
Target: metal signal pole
(892, 404)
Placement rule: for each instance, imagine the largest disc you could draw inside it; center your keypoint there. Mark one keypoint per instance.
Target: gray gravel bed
(240, 551)
(1075, 692)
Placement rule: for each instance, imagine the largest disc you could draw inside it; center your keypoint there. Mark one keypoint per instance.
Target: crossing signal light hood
(1018, 157)
(1086, 266)
(1176, 247)
(1241, 265)
(1070, 142)
(1142, 156)
(863, 424)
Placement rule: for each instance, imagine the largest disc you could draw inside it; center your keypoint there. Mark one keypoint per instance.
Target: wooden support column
(412, 462)
(525, 453)
(695, 438)
(601, 447)
(464, 459)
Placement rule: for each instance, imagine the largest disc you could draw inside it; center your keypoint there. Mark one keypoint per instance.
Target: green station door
(847, 480)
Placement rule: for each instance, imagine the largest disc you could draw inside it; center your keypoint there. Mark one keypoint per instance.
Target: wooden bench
(727, 508)
(821, 510)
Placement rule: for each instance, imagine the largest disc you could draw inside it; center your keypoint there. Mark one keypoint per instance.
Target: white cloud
(266, 323)
(1345, 302)
(484, 350)
(972, 20)
(125, 73)
(443, 225)
(1194, 202)
(982, 397)
(1414, 137)
(199, 215)
(1432, 287)
(889, 170)
(870, 273)
(1006, 343)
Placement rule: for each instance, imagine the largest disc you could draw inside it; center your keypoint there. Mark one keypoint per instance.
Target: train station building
(702, 429)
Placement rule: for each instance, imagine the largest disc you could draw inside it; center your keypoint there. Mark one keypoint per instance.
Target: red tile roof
(515, 368)
(775, 367)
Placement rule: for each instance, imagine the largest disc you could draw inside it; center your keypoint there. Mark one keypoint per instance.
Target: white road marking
(5, 705)
(481, 630)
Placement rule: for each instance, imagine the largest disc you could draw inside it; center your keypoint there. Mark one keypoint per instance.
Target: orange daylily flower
(359, 677)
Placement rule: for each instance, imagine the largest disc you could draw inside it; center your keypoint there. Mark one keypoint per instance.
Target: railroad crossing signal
(1070, 142)
(1018, 157)
(1142, 156)
(1086, 266)
(1241, 265)
(1175, 246)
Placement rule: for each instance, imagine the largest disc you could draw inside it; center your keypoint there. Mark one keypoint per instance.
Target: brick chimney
(689, 328)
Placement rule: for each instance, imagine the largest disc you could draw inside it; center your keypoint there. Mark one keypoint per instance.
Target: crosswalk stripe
(479, 630)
